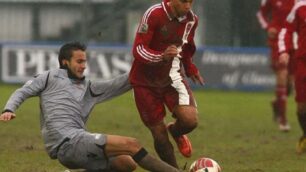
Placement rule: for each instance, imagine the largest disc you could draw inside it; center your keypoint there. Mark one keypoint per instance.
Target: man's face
(77, 63)
(181, 7)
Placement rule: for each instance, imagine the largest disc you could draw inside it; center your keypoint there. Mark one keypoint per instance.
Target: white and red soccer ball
(205, 165)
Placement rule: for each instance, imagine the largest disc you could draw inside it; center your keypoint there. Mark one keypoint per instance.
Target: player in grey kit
(66, 99)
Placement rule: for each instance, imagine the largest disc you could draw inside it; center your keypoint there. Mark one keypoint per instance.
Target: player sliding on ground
(66, 99)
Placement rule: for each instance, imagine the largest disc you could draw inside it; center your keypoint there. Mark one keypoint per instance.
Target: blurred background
(231, 54)
(222, 22)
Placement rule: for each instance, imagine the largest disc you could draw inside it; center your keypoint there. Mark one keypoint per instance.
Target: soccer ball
(205, 165)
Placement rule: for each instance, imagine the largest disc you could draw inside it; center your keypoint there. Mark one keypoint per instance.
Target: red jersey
(156, 31)
(273, 13)
(296, 22)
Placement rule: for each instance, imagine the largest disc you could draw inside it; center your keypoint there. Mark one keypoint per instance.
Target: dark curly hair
(66, 50)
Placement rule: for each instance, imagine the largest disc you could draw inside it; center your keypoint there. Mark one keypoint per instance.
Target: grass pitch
(235, 129)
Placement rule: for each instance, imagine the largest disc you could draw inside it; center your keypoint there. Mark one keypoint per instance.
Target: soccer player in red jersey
(271, 16)
(296, 22)
(163, 50)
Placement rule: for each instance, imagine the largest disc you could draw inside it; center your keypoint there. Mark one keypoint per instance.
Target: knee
(187, 117)
(190, 124)
(133, 145)
(192, 121)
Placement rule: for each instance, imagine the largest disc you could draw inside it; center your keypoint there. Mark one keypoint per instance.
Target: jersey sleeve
(145, 32)
(263, 13)
(31, 88)
(104, 90)
(188, 52)
(285, 37)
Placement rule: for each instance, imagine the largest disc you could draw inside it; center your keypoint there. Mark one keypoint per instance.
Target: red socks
(281, 101)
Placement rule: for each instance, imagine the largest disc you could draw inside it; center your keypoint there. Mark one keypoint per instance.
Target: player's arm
(108, 89)
(263, 14)
(141, 49)
(7, 115)
(187, 59)
(170, 52)
(190, 68)
(29, 89)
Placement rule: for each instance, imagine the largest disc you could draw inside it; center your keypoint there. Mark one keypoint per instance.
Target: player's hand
(7, 116)
(170, 52)
(272, 32)
(197, 78)
(284, 59)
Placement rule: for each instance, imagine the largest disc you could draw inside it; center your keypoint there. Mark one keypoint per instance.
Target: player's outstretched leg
(120, 146)
(151, 163)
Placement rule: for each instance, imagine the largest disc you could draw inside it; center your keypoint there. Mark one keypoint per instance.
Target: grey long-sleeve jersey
(65, 103)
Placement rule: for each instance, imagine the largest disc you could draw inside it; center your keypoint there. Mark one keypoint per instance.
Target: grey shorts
(84, 151)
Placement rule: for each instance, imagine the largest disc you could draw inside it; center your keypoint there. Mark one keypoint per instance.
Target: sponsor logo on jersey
(164, 31)
(143, 28)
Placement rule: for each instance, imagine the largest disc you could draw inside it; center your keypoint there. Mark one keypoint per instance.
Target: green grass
(235, 129)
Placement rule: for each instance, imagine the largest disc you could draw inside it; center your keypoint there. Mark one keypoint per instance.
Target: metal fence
(222, 22)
